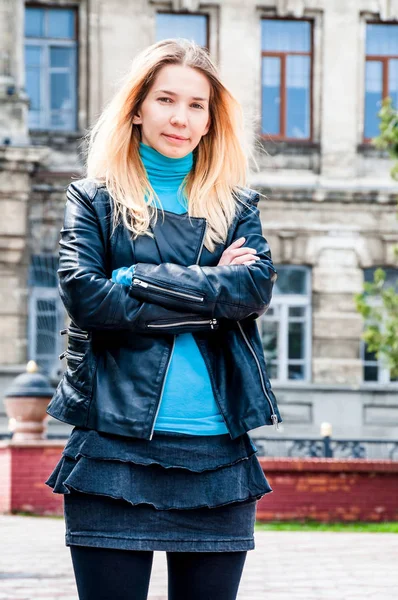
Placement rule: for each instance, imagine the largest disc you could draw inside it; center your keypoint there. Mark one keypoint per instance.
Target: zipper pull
(213, 323)
(139, 282)
(63, 331)
(275, 421)
(61, 356)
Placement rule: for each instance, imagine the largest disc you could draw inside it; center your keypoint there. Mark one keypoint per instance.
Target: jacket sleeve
(228, 291)
(91, 299)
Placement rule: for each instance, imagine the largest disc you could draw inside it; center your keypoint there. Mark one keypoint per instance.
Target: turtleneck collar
(164, 172)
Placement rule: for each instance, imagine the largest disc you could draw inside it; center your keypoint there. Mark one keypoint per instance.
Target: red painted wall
(329, 490)
(324, 489)
(24, 467)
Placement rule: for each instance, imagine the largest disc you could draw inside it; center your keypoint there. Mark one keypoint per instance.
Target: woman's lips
(175, 140)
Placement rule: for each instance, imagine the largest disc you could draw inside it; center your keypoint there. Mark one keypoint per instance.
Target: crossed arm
(95, 302)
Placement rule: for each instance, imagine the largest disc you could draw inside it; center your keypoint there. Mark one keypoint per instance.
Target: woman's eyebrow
(174, 94)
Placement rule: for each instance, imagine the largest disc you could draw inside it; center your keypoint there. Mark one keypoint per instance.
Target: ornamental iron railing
(326, 447)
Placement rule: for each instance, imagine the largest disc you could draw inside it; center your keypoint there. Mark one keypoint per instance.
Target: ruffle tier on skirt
(174, 492)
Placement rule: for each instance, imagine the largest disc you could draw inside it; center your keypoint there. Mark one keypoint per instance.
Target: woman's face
(175, 113)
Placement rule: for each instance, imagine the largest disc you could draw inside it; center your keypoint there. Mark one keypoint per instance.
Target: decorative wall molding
(344, 245)
(293, 8)
(388, 9)
(189, 5)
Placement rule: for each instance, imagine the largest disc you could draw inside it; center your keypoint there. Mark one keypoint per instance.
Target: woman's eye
(166, 98)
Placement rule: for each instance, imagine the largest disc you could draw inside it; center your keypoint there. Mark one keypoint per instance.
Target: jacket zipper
(204, 360)
(145, 284)
(274, 417)
(81, 336)
(72, 355)
(174, 338)
(161, 392)
(211, 322)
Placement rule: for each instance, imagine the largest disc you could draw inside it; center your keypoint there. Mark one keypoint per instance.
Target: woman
(165, 369)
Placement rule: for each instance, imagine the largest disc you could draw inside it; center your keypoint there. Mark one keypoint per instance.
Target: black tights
(108, 574)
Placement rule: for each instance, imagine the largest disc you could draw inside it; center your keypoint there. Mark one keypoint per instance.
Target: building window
(374, 369)
(190, 26)
(286, 327)
(46, 313)
(381, 73)
(286, 66)
(50, 67)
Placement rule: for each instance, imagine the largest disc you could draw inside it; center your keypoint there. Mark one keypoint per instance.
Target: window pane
(371, 373)
(273, 370)
(367, 355)
(32, 56)
(373, 96)
(270, 110)
(291, 280)
(296, 345)
(33, 88)
(34, 22)
(60, 91)
(174, 25)
(46, 306)
(285, 35)
(269, 335)
(382, 40)
(60, 57)
(63, 120)
(391, 276)
(297, 311)
(45, 334)
(296, 372)
(43, 270)
(393, 81)
(61, 23)
(298, 96)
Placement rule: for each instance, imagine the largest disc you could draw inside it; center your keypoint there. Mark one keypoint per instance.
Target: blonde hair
(218, 178)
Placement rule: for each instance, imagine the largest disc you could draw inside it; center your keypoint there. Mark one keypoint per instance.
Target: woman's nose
(179, 117)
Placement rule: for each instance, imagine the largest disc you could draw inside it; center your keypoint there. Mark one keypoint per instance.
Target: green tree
(378, 304)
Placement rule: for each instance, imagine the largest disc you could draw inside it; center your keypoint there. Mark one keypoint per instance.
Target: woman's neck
(164, 173)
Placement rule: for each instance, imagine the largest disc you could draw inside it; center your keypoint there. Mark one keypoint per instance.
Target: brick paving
(35, 564)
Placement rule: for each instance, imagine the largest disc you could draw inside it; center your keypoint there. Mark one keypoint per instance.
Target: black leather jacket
(121, 338)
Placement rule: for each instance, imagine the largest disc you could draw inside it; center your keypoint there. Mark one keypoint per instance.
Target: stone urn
(26, 401)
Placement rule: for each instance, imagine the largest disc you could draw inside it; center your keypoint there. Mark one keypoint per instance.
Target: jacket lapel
(178, 238)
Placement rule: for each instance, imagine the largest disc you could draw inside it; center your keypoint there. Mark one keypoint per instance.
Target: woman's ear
(207, 127)
(137, 119)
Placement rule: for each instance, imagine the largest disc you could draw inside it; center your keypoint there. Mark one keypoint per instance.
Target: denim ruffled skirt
(176, 492)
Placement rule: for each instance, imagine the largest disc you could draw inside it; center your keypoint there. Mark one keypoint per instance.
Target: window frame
(45, 69)
(376, 58)
(384, 371)
(284, 301)
(37, 293)
(282, 55)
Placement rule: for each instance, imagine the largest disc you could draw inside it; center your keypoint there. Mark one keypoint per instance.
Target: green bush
(381, 331)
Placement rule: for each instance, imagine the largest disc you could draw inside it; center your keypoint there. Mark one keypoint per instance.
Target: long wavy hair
(218, 178)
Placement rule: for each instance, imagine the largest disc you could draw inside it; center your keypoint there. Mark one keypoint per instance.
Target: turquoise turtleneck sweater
(187, 404)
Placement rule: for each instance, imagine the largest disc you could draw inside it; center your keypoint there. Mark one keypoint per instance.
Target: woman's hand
(234, 255)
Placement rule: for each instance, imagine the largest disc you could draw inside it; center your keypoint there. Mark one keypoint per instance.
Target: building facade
(310, 75)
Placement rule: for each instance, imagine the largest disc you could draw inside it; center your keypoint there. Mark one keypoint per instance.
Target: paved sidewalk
(35, 564)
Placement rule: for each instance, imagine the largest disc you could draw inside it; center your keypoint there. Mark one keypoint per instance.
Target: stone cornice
(15, 155)
(320, 194)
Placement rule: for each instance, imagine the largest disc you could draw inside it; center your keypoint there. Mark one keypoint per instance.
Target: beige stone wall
(329, 204)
